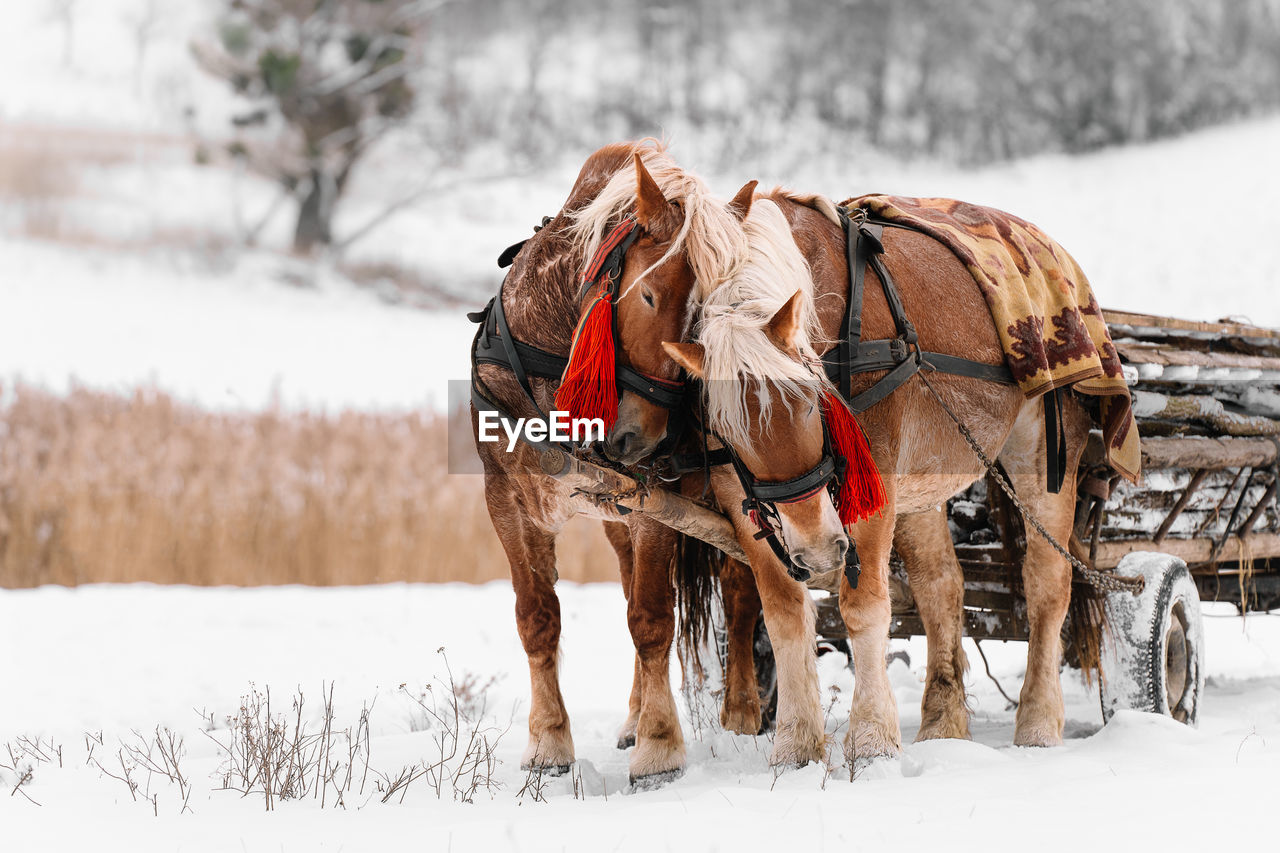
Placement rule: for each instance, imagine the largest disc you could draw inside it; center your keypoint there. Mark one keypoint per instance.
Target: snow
(238, 331)
(144, 285)
(140, 289)
(118, 658)
(230, 341)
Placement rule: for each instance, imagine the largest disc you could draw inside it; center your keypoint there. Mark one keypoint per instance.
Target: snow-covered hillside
(116, 659)
(1183, 228)
(119, 266)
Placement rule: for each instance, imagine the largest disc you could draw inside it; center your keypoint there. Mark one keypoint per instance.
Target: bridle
(604, 275)
(764, 496)
(495, 343)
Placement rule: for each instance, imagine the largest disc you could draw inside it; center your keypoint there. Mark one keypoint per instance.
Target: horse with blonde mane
(758, 351)
(556, 337)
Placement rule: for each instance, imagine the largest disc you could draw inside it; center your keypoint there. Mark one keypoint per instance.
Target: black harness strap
(892, 381)
(524, 360)
(856, 253)
(888, 354)
(481, 397)
(1055, 441)
(509, 347)
(691, 463)
(900, 356)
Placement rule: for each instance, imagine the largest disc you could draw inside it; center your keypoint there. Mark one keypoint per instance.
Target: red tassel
(589, 388)
(861, 493)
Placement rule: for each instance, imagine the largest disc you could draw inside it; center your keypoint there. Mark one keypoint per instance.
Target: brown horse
(758, 352)
(681, 234)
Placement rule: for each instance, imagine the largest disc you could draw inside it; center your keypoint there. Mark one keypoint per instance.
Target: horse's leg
(620, 538)
(740, 711)
(799, 732)
(1046, 576)
(531, 554)
(923, 541)
(873, 717)
(651, 617)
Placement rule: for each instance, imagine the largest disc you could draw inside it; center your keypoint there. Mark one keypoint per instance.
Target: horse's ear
(654, 213)
(784, 328)
(741, 204)
(689, 356)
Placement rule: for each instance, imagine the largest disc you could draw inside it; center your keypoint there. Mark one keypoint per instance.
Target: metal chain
(1100, 580)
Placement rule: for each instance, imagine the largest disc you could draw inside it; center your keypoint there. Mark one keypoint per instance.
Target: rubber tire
(1151, 635)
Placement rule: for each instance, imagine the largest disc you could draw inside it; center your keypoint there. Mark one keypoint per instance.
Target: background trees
(517, 83)
(323, 81)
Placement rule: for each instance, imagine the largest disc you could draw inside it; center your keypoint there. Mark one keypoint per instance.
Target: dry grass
(41, 175)
(101, 488)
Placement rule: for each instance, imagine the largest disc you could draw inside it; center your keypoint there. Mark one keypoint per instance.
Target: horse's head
(640, 288)
(770, 403)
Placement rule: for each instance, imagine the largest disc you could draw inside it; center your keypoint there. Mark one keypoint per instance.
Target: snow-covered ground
(116, 659)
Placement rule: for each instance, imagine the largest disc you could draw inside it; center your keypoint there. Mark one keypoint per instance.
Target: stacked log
(1207, 400)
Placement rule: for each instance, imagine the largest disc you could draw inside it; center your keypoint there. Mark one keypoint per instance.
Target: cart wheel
(1153, 641)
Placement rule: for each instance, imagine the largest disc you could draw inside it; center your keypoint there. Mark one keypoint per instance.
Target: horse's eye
(647, 295)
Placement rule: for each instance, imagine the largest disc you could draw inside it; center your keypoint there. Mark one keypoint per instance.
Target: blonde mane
(710, 235)
(740, 357)
(820, 203)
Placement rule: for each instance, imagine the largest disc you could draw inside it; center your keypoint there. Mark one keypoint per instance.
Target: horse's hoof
(549, 770)
(627, 741)
(655, 780)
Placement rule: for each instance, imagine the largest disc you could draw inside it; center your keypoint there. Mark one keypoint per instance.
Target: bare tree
(63, 13)
(144, 21)
(324, 81)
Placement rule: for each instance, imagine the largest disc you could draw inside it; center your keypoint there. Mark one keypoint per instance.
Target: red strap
(611, 241)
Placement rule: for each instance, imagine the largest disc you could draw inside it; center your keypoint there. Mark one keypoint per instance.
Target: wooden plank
(1148, 353)
(1193, 551)
(1196, 479)
(1204, 452)
(1259, 508)
(1201, 409)
(1154, 321)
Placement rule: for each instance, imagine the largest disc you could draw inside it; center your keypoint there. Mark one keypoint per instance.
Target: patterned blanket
(1030, 283)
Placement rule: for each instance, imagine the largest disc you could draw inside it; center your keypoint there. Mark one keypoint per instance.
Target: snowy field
(117, 659)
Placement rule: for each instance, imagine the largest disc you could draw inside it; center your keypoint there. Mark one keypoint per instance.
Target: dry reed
(101, 488)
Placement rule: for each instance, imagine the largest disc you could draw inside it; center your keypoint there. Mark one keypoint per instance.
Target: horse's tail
(694, 573)
(1086, 620)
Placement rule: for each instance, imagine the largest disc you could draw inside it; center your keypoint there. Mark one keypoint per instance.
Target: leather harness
(495, 344)
(900, 356)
